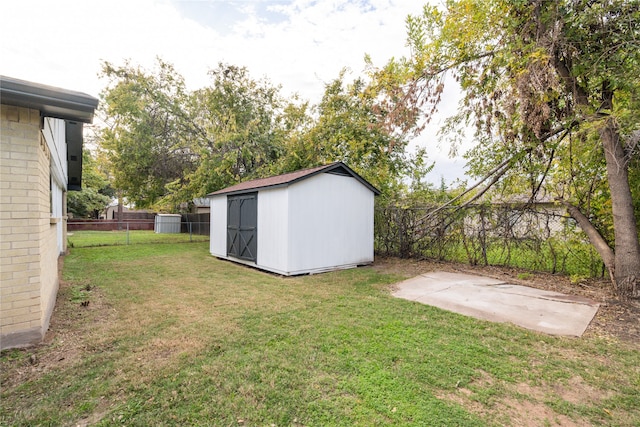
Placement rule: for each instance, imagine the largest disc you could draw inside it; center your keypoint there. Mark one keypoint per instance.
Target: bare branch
(439, 71)
(496, 172)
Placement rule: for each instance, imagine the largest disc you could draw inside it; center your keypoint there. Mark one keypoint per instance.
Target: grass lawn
(79, 239)
(172, 336)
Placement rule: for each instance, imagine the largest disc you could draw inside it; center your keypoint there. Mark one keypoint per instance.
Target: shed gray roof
(49, 100)
(338, 168)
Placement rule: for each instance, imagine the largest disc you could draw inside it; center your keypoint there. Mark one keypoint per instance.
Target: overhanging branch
(493, 176)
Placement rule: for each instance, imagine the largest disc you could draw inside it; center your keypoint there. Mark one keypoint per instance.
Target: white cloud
(62, 42)
(300, 44)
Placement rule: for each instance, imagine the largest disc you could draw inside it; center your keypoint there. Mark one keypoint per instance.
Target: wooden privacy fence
(536, 237)
(77, 224)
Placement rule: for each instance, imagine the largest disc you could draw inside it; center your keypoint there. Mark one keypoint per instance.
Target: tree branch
(496, 173)
(570, 82)
(476, 185)
(596, 239)
(427, 75)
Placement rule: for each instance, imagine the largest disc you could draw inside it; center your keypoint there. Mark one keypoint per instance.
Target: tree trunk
(601, 246)
(626, 273)
(120, 210)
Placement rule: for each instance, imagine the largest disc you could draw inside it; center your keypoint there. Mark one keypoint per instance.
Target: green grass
(79, 239)
(173, 336)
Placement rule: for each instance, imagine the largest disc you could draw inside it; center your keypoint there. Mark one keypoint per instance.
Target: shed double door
(242, 226)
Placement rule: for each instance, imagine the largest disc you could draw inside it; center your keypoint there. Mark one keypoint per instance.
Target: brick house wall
(25, 230)
(40, 144)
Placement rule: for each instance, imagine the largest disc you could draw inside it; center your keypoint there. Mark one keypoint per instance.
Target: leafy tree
(167, 145)
(551, 88)
(147, 138)
(295, 152)
(96, 193)
(348, 127)
(237, 127)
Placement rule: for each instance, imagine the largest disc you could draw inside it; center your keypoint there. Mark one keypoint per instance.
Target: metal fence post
(127, 233)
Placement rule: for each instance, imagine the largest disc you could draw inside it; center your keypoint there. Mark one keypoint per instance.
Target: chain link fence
(87, 233)
(535, 237)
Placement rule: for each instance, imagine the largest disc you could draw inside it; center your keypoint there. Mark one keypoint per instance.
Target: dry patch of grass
(525, 404)
(527, 413)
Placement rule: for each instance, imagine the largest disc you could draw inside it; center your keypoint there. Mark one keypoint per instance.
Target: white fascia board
(54, 135)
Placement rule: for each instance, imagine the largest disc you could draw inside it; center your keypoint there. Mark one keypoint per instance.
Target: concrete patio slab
(495, 300)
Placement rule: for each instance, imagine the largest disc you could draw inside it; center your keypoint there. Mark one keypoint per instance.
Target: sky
(298, 44)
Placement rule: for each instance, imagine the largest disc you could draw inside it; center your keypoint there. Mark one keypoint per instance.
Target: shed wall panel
(273, 219)
(218, 238)
(330, 223)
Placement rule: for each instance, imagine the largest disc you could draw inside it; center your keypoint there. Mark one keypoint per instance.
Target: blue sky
(224, 15)
(299, 44)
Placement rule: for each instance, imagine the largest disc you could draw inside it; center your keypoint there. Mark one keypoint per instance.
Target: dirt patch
(529, 413)
(614, 319)
(527, 410)
(65, 343)
(578, 392)
(525, 405)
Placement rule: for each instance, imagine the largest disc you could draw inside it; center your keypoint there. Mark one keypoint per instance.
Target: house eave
(75, 108)
(50, 101)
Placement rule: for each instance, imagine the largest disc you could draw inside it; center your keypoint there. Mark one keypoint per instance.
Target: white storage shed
(308, 221)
